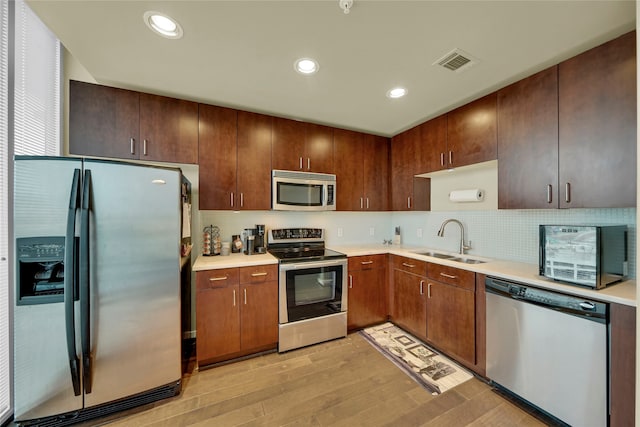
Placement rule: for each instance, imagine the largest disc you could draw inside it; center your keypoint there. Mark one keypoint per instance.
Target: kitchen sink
(436, 255)
(451, 257)
(467, 260)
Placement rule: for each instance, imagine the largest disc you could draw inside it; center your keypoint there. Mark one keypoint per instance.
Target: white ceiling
(241, 53)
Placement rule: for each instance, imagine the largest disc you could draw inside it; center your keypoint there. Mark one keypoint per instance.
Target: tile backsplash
(502, 234)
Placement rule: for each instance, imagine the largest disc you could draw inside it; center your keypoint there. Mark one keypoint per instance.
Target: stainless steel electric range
(312, 287)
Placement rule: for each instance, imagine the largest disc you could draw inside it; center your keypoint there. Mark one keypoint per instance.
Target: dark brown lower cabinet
(451, 320)
(410, 303)
(367, 291)
(236, 312)
(623, 365)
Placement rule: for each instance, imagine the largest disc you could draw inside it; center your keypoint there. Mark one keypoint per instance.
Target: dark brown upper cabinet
(597, 126)
(103, 121)
(217, 156)
(471, 134)
(361, 168)
(118, 123)
(234, 159)
(168, 129)
(528, 142)
(301, 146)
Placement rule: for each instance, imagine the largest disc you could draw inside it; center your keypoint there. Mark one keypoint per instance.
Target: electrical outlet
(339, 231)
(419, 232)
(372, 231)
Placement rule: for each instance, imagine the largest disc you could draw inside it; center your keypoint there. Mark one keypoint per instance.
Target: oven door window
(295, 194)
(313, 292)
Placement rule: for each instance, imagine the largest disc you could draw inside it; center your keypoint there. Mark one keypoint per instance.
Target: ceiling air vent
(456, 60)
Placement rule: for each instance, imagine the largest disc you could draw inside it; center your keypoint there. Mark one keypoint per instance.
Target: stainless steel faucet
(463, 247)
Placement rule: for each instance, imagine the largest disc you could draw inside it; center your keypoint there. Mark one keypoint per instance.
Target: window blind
(5, 309)
(29, 97)
(37, 85)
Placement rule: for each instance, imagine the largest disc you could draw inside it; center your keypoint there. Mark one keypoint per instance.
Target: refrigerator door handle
(70, 261)
(85, 312)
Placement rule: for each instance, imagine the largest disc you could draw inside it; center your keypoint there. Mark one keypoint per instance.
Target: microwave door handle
(70, 262)
(326, 195)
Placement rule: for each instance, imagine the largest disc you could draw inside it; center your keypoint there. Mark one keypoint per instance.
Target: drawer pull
(408, 265)
(448, 276)
(366, 262)
(217, 279)
(258, 274)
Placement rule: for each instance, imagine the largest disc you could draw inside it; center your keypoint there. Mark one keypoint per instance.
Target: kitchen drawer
(452, 276)
(216, 278)
(367, 262)
(410, 265)
(258, 274)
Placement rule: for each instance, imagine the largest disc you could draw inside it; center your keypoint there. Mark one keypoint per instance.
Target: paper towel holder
(462, 196)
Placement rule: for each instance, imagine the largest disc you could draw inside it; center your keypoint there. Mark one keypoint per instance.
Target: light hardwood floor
(345, 382)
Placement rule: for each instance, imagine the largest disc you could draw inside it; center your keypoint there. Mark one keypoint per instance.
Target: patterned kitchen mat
(424, 365)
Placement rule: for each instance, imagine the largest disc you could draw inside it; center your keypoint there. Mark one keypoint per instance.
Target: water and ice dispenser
(39, 270)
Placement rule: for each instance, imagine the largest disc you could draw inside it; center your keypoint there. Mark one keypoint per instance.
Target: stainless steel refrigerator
(97, 287)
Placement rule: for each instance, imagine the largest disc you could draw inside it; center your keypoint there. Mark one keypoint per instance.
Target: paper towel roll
(473, 195)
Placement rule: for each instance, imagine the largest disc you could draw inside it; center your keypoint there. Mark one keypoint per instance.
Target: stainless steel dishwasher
(550, 349)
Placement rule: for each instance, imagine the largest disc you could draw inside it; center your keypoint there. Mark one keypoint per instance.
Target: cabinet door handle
(361, 203)
(549, 193)
(367, 203)
(421, 287)
(350, 281)
(450, 158)
(308, 163)
(448, 276)
(245, 296)
(217, 279)
(567, 192)
(408, 265)
(429, 291)
(144, 147)
(234, 297)
(231, 199)
(263, 273)
(366, 262)
(132, 145)
(300, 163)
(442, 159)
(241, 200)
(409, 202)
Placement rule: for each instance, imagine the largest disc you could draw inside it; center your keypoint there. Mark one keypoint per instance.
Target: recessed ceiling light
(306, 66)
(162, 24)
(397, 92)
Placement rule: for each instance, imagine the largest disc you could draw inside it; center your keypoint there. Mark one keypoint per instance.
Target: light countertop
(621, 293)
(232, 260)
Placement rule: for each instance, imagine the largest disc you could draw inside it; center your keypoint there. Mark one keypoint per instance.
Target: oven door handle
(311, 264)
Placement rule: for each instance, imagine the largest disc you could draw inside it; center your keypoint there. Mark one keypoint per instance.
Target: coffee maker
(260, 243)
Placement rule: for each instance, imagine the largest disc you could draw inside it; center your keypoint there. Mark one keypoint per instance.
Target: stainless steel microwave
(302, 191)
(593, 256)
